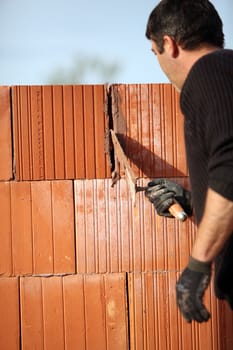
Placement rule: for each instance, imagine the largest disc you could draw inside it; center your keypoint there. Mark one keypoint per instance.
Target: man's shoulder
(211, 67)
(216, 56)
(219, 59)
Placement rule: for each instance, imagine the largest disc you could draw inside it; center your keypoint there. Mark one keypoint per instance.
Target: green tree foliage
(85, 69)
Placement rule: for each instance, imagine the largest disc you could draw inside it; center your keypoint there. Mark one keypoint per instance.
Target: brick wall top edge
(89, 84)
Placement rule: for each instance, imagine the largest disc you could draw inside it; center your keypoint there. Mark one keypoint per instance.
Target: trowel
(119, 156)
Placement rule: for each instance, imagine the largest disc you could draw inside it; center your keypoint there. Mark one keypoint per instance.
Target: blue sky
(39, 36)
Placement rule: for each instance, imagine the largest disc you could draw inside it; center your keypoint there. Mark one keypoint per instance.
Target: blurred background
(82, 41)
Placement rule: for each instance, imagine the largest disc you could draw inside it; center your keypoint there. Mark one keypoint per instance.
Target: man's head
(189, 22)
(182, 31)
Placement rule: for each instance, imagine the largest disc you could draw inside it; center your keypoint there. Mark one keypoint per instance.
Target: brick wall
(81, 266)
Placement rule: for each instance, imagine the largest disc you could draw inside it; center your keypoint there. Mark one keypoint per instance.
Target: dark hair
(189, 22)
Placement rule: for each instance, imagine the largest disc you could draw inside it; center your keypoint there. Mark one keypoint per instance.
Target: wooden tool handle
(177, 211)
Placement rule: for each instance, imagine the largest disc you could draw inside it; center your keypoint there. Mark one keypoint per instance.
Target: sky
(40, 36)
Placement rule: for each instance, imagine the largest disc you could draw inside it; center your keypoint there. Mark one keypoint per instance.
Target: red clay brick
(9, 310)
(5, 135)
(79, 311)
(156, 323)
(59, 132)
(37, 227)
(154, 139)
(113, 235)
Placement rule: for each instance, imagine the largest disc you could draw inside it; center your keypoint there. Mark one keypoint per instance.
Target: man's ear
(170, 46)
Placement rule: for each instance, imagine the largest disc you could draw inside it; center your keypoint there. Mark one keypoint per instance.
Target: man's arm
(214, 228)
(213, 231)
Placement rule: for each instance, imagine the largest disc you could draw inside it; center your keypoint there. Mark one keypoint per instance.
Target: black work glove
(162, 193)
(190, 289)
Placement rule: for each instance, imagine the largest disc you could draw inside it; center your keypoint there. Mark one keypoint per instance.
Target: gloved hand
(190, 289)
(162, 193)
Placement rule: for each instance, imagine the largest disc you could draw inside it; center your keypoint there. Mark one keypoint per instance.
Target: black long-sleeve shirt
(207, 104)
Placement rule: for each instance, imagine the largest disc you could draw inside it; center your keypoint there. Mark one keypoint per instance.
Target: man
(187, 39)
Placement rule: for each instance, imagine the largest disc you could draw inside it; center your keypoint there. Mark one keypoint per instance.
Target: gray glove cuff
(199, 266)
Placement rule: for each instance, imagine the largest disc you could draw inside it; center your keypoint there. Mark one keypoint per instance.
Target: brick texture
(6, 161)
(81, 265)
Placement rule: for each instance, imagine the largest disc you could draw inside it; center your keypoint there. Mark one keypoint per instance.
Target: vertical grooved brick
(6, 172)
(37, 227)
(113, 235)
(70, 312)
(59, 132)
(156, 323)
(9, 309)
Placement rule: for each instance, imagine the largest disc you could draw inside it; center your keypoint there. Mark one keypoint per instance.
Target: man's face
(162, 58)
(166, 62)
